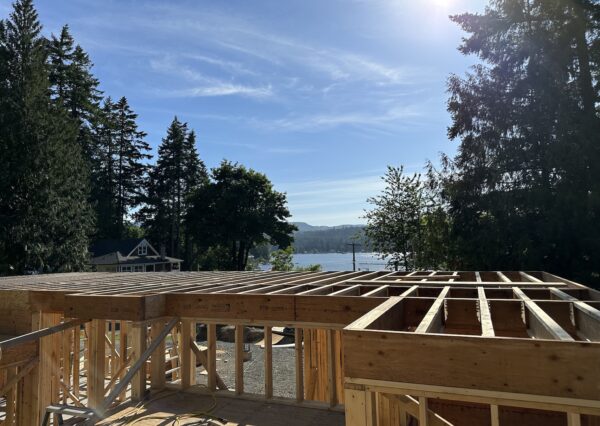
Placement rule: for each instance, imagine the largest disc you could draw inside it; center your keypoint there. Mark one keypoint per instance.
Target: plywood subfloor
(227, 411)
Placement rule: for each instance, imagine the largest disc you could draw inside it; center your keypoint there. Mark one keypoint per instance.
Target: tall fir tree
(177, 173)
(74, 86)
(120, 154)
(526, 180)
(45, 217)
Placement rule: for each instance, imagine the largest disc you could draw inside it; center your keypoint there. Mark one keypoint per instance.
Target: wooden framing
(385, 345)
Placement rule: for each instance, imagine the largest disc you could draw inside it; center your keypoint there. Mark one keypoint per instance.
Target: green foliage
(282, 260)
(407, 225)
(523, 188)
(237, 210)
(308, 268)
(394, 224)
(119, 158)
(178, 172)
(45, 218)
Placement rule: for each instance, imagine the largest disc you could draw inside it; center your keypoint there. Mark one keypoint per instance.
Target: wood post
(76, 359)
(495, 415)
(331, 369)
(95, 371)
(27, 388)
(423, 411)
(50, 361)
(157, 360)
(123, 352)
(138, 343)
(188, 358)
(299, 365)
(268, 362)
(239, 359)
(573, 419)
(211, 367)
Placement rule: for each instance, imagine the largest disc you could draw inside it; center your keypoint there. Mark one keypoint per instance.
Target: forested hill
(325, 239)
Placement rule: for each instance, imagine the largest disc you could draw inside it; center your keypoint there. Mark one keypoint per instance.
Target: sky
(320, 95)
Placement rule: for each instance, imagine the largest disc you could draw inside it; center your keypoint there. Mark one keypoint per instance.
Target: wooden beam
(381, 291)
(540, 323)
(211, 366)
(201, 354)
(529, 366)
(423, 411)
(355, 407)
(573, 419)
(503, 277)
(268, 357)
(23, 371)
(188, 358)
(239, 359)
(158, 377)
(299, 365)
(138, 336)
(587, 318)
(38, 334)
(331, 370)
(433, 320)
(138, 367)
(529, 277)
(96, 366)
(487, 327)
(494, 415)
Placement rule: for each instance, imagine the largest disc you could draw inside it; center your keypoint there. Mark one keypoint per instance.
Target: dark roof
(149, 259)
(103, 247)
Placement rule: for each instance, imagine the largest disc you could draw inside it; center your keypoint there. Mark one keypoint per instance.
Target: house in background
(130, 255)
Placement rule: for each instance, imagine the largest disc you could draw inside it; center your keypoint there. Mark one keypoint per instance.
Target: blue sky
(320, 95)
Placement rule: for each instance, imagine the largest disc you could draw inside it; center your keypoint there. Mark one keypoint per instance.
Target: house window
(125, 268)
(138, 268)
(143, 250)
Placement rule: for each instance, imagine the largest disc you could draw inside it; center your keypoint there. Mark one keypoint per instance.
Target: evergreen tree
(526, 180)
(177, 173)
(119, 155)
(73, 85)
(45, 218)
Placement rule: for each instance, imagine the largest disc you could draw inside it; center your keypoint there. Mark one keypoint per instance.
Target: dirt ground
(284, 374)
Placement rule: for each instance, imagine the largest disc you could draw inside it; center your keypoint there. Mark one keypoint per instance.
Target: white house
(130, 255)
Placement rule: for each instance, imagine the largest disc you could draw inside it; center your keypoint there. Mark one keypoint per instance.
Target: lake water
(340, 261)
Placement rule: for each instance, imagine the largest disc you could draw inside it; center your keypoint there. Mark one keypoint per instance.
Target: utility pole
(353, 254)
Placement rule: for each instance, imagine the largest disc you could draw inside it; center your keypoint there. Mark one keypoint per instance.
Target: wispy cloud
(329, 120)
(230, 55)
(220, 89)
(211, 86)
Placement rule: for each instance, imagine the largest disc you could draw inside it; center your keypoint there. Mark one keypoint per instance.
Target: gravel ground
(284, 375)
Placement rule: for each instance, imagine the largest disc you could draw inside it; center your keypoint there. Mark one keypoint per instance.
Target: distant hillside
(327, 239)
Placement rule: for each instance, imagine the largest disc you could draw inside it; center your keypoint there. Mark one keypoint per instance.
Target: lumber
(157, 359)
(239, 359)
(299, 364)
(96, 368)
(188, 358)
(540, 323)
(268, 357)
(138, 366)
(433, 320)
(201, 355)
(211, 365)
(138, 334)
(485, 317)
(23, 371)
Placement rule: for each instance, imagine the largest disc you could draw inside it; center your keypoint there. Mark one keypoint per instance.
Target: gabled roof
(124, 247)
